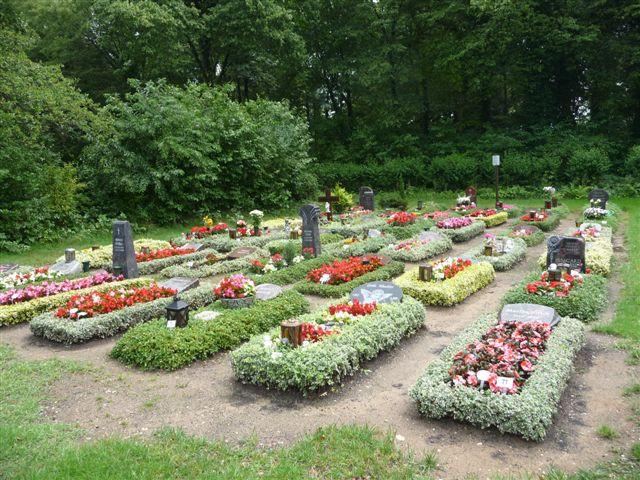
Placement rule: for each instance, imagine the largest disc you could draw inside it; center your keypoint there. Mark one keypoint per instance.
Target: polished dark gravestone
(528, 313)
(366, 198)
(599, 194)
(379, 292)
(310, 232)
(180, 284)
(566, 251)
(124, 255)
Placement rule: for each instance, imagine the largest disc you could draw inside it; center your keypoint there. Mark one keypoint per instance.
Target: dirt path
(205, 400)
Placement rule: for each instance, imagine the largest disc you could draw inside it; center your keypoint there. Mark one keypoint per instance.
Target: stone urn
(237, 302)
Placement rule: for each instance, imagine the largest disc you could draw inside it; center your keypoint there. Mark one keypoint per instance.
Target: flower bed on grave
(199, 232)
(340, 277)
(459, 229)
(516, 250)
(404, 225)
(598, 252)
(560, 211)
(278, 246)
(154, 266)
(101, 257)
(512, 210)
(415, 250)
(356, 227)
(330, 353)
(527, 413)
(543, 220)
(25, 311)
(290, 274)
(222, 243)
(212, 264)
(354, 247)
(154, 346)
(162, 254)
(27, 276)
(438, 215)
(70, 331)
(490, 217)
(608, 217)
(454, 279)
(354, 213)
(530, 234)
(583, 297)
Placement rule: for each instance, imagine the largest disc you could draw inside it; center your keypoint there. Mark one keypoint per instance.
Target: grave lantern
(488, 251)
(578, 222)
(146, 250)
(554, 274)
(420, 204)
(532, 214)
(293, 235)
(292, 332)
(95, 247)
(177, 313)
(232, 233)
(425, 273)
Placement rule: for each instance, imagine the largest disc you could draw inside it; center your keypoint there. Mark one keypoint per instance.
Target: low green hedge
(562, 211)
(420, 252)
(154, 346)
(25, 311)
(459, 235)
(447, 292)
(291, 274)
(153, 266)
(408, 231)
(357, 227)
(330, 361)
(503, 262)
(277, 246)
(69, 331)
(584, 302)
(527, 414)
(385, 272)
(532, 240)
(514, 212)
(362, 247)
(203, 270)
(222, 243)
(546, 225)
(495, 220)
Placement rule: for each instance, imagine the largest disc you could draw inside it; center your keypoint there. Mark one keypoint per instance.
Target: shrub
(587, 166)
(291, 274)
(503, 262)
(546, 225)
(361, 247)
(154, 346)
(204, 269)
(279, 246)
(385, 272)
(153, 266)
(345, 199)
(447, 292)
(332, 359)
(632, 162)
(222, 243)
(419, 252)
(463, 234)
(453, 172)
(585, 300)
(495, 220)
(532, 240)
(407, 231)
(528, 414)
(356, 227)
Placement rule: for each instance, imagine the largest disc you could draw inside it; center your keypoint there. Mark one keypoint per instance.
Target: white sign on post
(495, 160)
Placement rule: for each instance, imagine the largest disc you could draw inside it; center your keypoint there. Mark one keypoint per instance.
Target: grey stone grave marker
(267, 291)
(124, 254)
(310, 232)
(70, 266)
(196, 247)
(7, 267)
(180, 284)
(241, 252)
(528, 312)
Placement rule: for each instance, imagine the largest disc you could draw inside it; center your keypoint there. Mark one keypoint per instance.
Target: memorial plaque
(124, 255)
(7, 267)
(310, 232)
(374, 233)
(379, 292)
(431, 236)
(196, 247)
(180, 284)
(267, 291)
(599, 194)
(566, 251)
(69, 266)
(528, 229)
(241, 252)
(471, 192)
(366, 198)
(207, 315)
(528, 312)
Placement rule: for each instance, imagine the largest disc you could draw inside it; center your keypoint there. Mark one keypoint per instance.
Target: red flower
(343, 271)
(399, 219)
(162, 253)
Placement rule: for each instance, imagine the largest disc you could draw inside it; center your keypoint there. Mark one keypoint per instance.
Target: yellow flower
(208, 221)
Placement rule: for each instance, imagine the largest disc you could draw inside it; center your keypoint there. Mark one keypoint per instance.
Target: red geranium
(354, 308)
(343, 271)
(162, 253)
(437, 215)
(399, 219)
(201, 232)
(557, 288)
(483, 213)
(314, 333)
(539, 217)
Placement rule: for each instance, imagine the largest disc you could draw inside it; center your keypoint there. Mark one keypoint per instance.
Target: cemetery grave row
(349, 332)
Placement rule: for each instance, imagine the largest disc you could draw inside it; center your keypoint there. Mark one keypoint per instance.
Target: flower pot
(532, 214)
(232, 233)
(547, 204)
(554, 202)
(237, 302)
(293, 235)
(95, 247)
(488, 251)
(420, 205)
(86, 265)
(425, 273)
(578, 223)
(256, 231)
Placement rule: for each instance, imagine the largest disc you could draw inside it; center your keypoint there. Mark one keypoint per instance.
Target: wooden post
(425, 273)
(329, 199)
(292, 331)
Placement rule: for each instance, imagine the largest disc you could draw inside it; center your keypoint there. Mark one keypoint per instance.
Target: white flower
(276, 355)
(298, 259)
(325, 278)
(82, 314)
(305, 343)
(269, 267)
(73, 310)
(256, 213)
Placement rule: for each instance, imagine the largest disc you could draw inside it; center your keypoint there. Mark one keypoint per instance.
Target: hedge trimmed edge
(503, 262)
(458, 235)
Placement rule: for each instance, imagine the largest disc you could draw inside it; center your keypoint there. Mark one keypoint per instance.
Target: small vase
(488, 251)
(547, 204)
(554, 202)
(86, 265)
(532, 214)
(237, 302)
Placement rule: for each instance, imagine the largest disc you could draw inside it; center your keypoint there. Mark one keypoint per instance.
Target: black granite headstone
(310, 232)
(566, 251)
(366, 198)
(599, 194)
(379, 292)
(528, 312)
(124, 254)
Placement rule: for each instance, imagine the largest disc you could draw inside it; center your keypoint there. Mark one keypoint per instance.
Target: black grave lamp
(177, 313)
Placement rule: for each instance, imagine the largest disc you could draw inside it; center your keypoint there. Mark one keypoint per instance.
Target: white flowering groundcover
(516, 253)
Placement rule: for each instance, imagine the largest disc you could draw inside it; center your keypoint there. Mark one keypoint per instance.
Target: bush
(153, 266)
(453, 172)
(632, 162)
(357, 227)
(222, 243)
(527, 414)
(546, 225)
(587, 166)
(447, 292)
(102, 256)
(362, 247)
(532, 240)
(386, 272)
(392, 200)
(291, 274)
(332, 359)
(495, 220)
(503, 262)
(584, 302)
(345, 199)
(154, 346)
(279, 246)
(405, 232)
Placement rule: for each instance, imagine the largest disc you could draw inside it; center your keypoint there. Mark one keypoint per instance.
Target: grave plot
(22, 276)
(459, 229)
(280, 271)
(530, 234)
(224, 243)
(545, 221)
(596, 241)
(404, 225)
(104, 314)
(101, 256)
(356, 247)
(154, 346)
(23, 304)
(278, 246)
(355, 227)
(216, 264)
(154, 261)
(446, 282)
(507, 374)
(512, 210)
(341, 276)
(607, 216)
(325, 347)
(491, 217)
(502, 252)
(437, 215)
(424, 246)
